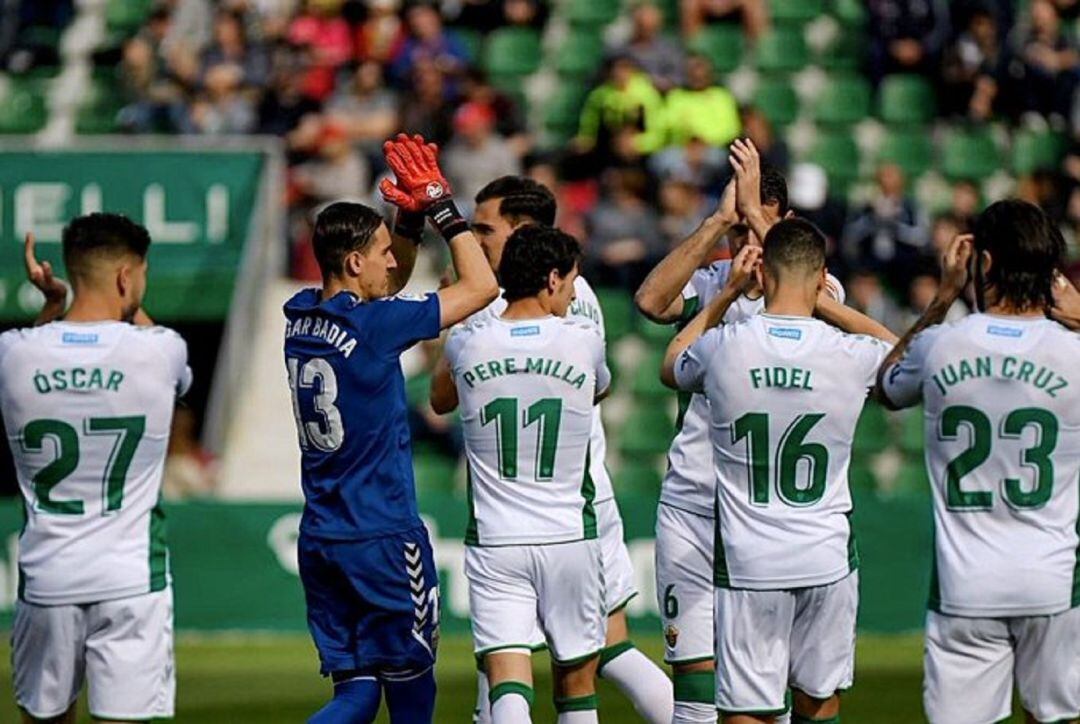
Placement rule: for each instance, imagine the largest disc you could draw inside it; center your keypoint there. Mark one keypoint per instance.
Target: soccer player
(679, 287)
(365, 557)
(1001, 402)
(502, 206)
(527, 381)
(88, 403)
(785, 391)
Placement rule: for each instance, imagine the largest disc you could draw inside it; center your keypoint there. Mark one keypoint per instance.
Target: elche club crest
(435, 190)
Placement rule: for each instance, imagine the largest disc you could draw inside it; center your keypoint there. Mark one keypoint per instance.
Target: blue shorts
(372, 605)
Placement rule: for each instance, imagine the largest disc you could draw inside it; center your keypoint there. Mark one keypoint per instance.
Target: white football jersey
(784, 396)
(689, 483)
(526, 390)
(88, 408)
(585, 308)
(1001, 399)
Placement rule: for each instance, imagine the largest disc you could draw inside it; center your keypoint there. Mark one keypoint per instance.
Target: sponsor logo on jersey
(79, 338)
(785, 332)
(999, 331)
(525, 331)
(671, 635)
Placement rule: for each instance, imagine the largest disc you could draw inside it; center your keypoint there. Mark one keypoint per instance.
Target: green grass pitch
(236, 679)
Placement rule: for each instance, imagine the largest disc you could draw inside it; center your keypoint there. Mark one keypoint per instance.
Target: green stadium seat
(127, 15)
(22, 108)
(782, 50)
(872, 431)
(647, 434)
(591, 12)
(562, 112)
(845, 100)
(906, 99)
(618, 309)
(845, 52)
(795, 11)
(851, 13)
(721, 44)
(969, 154)
(656, 335)
(777, 100)
(472, 40)
(580, 54)
(512, 52)
(646, 382)
(99, 109)
(1033, 151)
(638, 479)
(838, 155)
(910, 149)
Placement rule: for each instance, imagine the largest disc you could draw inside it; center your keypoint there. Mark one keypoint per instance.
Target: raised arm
(40, 274)
(851, 320)
(660, 296)
(421, 187)
(444, 397)
(954, 277)
(747, 164)
(405, 236)
(1066, 307)
(742, 274)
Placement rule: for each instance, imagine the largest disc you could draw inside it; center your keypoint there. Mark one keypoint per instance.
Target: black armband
(410, 224)
(447, 219)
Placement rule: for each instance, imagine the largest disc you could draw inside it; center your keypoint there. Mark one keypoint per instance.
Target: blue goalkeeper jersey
(348, 392)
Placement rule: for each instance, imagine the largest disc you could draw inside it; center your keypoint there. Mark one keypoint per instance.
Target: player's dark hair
(774, 187)
(531, 253)
(98, 235)
(522, 197)
(794, 244)
(341, 228)
(1025, 247)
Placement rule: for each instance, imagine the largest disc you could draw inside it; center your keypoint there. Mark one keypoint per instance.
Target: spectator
(150, 80)
(427, 41)
(701, 109)
(697, 161)
(966, 201)
(624, 239)
(907, 36)
(661, 57)
(191, 27)
(284, 104)
(866, 293)
(476, 154)
(975, 70)
(947, 227)
(626, 99)
(921, 293)
(381, 32)
(773, 150)
(338, 172)
(325, 35)
(509, 120)
(426, 108)
(753, 15)
(231, 47)
(366, 109)
(682, 207)
(1049, 63)
(888, 235)
(524, 13)
(221, 109)
(810, 200)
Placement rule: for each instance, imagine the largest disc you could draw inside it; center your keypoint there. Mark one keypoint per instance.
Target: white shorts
(122, 648)
(684, 584)
(558, 587)
(618, 572)
(971, 664)
(767, 641)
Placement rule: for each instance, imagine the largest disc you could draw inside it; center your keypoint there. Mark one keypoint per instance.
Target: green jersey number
(979, 450)
(127, 431)
(790, 451)
(546, 414)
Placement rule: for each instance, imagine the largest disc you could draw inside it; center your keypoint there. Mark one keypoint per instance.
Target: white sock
(482, 712)
(588, 716)
(511, 709)
(694, 712)
(644, 683)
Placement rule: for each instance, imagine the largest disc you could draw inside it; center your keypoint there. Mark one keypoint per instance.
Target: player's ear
(124, 281)
(985, 261)
(353, 264)
(553, 281)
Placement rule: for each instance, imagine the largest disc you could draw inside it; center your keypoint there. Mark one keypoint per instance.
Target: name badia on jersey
(348, 391)
(526, 390)
(688, 483)
(784, 396)
(1001, 404)
(88, 408)
(585, 309)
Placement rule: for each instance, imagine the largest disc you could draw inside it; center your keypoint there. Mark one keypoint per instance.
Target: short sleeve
(869, 354)
(692, 364)
(455, 341)
(394, 324)
(902, 382)
(603, 374)
(702, 288)
(7, 341)
(176, 352)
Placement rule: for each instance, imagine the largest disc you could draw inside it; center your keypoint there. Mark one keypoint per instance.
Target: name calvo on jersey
(529, 366)
(325, 330)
